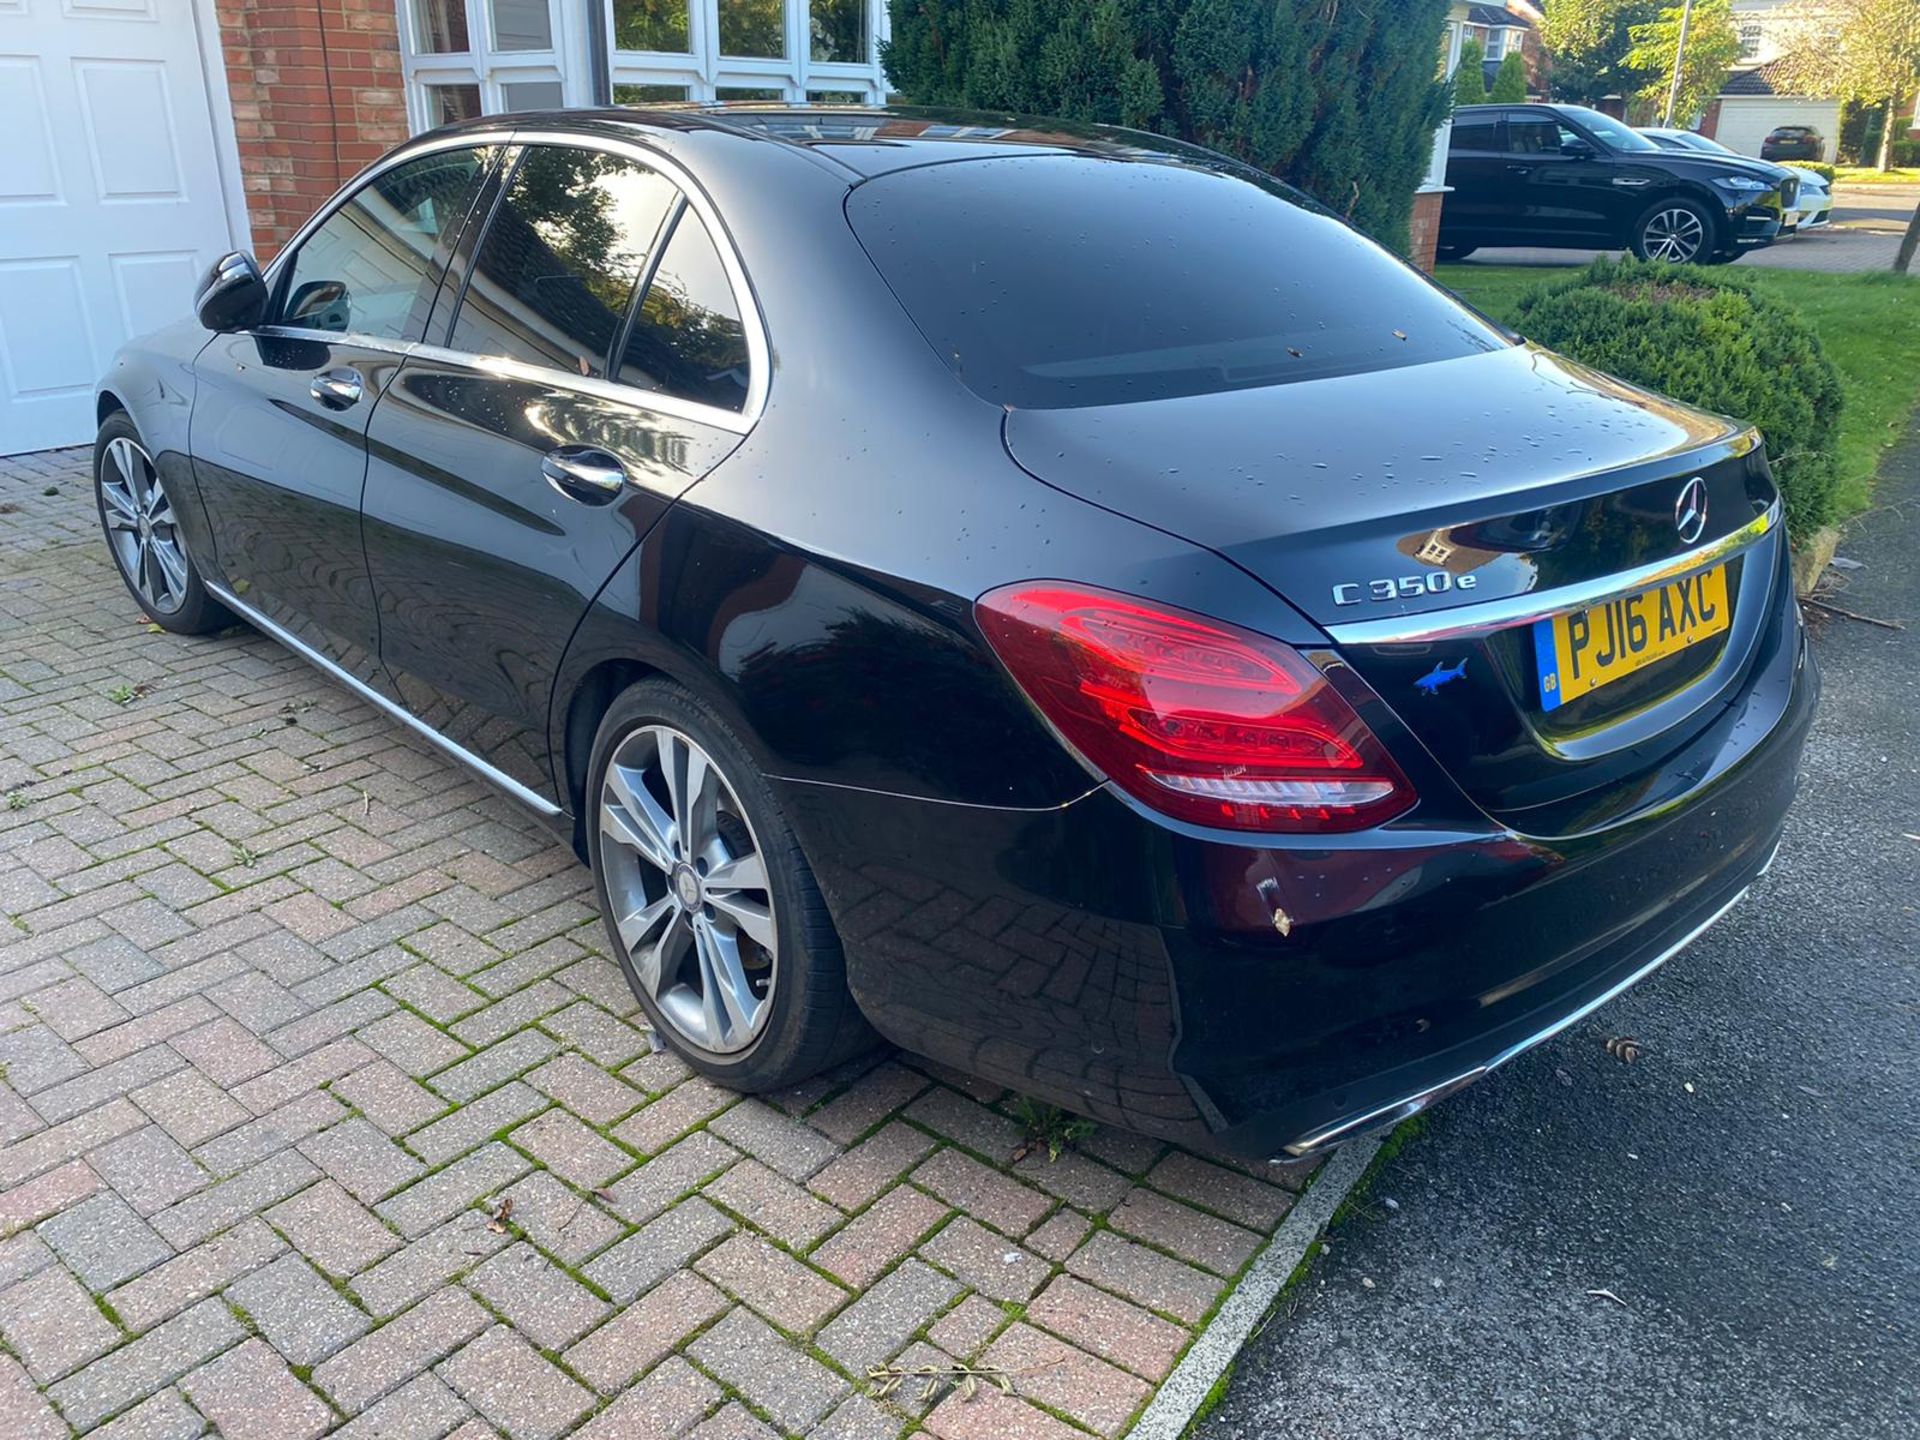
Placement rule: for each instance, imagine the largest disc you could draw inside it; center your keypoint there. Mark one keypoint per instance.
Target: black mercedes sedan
(1051, 597)
(1565, 177)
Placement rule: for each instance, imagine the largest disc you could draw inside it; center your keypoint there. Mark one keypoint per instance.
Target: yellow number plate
(1586, 649)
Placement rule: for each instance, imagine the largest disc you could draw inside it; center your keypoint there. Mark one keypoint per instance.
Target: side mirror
(1578, 149)
(233, 295)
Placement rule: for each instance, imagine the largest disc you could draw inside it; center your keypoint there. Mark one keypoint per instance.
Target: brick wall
(1425, 227)
(316, 95)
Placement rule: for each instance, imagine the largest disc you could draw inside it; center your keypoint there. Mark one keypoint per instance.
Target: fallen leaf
(1609, 1295)
(1625, 1049)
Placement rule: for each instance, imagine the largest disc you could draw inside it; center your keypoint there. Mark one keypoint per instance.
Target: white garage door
(1744, 123)
(111, 200)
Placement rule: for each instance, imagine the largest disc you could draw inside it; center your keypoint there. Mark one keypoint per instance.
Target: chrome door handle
(583, 472)
(336, 389)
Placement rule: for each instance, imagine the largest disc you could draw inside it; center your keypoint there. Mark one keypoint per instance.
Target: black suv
(1564, 177)
(1793, 142)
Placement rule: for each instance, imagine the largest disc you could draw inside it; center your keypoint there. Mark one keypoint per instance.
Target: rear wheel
(1447, 254)
(139, 520)
(1677, 231)
(710, 906)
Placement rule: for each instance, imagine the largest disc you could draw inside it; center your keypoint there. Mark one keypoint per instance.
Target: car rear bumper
(1138, 972)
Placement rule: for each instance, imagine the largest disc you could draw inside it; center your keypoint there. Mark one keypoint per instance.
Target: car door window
(1479, 133)
(687, 339)
(555, 273)
(1536, 135)
(366, 270)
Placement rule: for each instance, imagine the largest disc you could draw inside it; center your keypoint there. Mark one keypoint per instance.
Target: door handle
(584, 472)
(336, 389)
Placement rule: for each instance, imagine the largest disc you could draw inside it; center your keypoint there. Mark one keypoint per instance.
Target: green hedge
(1708, 338)
(1819, 169)
(1340, 99)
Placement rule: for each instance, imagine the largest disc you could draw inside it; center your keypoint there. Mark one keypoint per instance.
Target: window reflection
(648, 94)
(521, 25)
(441, 26)
(448, 103)
(650, 25)
(755, 28)
(687, 339)
(838, 30)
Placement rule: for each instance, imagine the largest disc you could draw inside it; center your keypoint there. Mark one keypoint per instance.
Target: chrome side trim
(1397, 1110)
(1525, 609)
(313, 657)
(737, 422)
(335, 337)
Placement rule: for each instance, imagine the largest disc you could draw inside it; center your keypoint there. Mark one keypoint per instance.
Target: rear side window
(1050, 282)
(687, 339)
(556, 270)
(364, 271)
(1481, 133)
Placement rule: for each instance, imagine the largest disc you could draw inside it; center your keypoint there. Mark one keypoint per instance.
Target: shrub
(1510, 80)
(1470, 79)
(1906, 154)
(1824, 171)
(1707, 338)
(1340, 100)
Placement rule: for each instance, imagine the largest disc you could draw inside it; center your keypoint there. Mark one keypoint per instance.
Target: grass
(1869, 324)
(1874, 175)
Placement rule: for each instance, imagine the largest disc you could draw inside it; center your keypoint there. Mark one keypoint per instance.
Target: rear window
(1052, 282)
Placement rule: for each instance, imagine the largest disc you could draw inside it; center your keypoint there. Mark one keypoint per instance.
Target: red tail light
(1203, 721)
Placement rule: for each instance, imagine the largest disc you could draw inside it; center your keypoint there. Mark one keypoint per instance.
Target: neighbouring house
(144, 138)
(1760, 94)
(1501, 32)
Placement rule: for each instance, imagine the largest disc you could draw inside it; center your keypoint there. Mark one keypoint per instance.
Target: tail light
(1201, 720)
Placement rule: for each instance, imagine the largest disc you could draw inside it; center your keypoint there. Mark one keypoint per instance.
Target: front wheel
(710, 906)
(139, 520)
(1677, 231)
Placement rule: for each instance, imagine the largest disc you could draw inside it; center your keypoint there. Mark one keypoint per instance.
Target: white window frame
(487, 68)
(705, 71)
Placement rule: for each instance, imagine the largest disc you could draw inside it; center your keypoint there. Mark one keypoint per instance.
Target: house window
(1496, 44)
(1749, 41)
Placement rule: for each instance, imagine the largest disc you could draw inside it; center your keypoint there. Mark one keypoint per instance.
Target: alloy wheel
(1676, 235)
(687, 886)
(140, 526)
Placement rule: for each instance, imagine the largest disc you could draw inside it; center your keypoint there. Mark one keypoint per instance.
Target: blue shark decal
(1430, 683)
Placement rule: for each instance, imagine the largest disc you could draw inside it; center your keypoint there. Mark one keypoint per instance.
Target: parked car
(1565, 177)
(1051, 596)
(1793, 142)
(1813, 197)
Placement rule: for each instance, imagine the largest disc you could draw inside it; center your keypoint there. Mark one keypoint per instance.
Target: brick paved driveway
(290, 1008)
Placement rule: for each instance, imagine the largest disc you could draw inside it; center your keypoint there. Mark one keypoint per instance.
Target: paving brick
(869, 1100)
(1059, 1235)
(426, 1264)
(593, 1032)
(400, 1349)
(25, 1254)
(785, 1382)
(657, 1249)
(166, 1290)
(226, 1052)
(773, 1204)
(964, 1329)
(480, 1176)
(66, 1141)
(412, 1044)
(248, 1193)
(585, 1089)
(983, 1193)
(1238, 1197)
(1074, 1178)
(565, 1224)
(502, 1377)
(191, 1108)
(871, 1166)
(475, 1122)
(333, 1230)
(502, 1028)
(1100, 1396)
(770, 1137)
(735, 1422)
(1108, 1326)
(880, 1323)
(874, 1239)
(250, 1394)
(28, 1204)
(1145, 1276)
(27, 1415)
(647, 1191)
(273, 1132)
(536, 1297)
(148, 1169)
(136, 1370)
(76, 1008)
(52, 1324)
(304, 1317)
(1217, 1245)
(990, 1263)
(104, 1242)
(786, 1292)
(686, 1105)
(857, 1418)
(425, 1408)
(662, 1406)
(643, 1333)
(137, 1034)
(330, 1022)
(165, 1416)
(277, 1086)
(565, 1145)
(357, 1154)
(966, 1122)
(434, 993)
(990, 1415)
(389, 1097)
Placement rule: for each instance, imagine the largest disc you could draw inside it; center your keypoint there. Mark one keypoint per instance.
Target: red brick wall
(316, 95)
(1425, 228)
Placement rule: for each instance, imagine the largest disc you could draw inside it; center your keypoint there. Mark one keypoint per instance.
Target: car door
(1561, 179)
(598, 363)
(1476, 209)
(280, 412)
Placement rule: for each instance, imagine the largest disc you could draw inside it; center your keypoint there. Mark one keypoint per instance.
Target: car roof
(860, 139)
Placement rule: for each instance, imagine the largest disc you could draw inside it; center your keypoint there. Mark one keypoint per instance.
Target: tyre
(1676, 230)
(148, 548)
(710, 906)
(1447, 254)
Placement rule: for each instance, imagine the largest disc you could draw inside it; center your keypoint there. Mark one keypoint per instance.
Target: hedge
(1341, 100)
(1708, 338)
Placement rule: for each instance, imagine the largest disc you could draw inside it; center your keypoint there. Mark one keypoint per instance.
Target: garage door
(110, 197)
(1745, 123)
